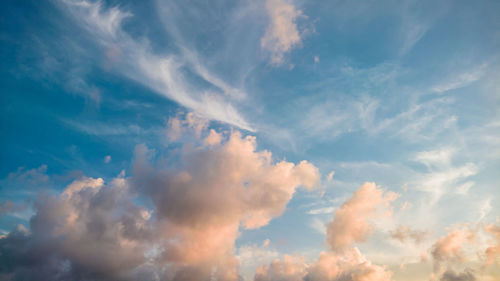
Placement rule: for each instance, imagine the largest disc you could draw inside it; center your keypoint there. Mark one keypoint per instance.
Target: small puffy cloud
(289, 269)
(213, 138)
(107, 159)
(214, 191)
(330, 175)
(282, 33)
(449, 248)
(405, 234)
(351, 221)
(90, 231)
(190, 124)
(162, 73)
(350, 266)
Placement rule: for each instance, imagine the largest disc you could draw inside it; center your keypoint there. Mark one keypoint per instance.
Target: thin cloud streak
(162, 74)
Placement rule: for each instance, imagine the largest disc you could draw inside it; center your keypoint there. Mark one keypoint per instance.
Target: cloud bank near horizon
(194, 209)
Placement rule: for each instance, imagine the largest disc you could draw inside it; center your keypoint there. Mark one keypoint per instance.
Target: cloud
(161, 73)
(318, 225)
(282, 33)
(330, 175)
(449, 247)
(94, 230)
(8, 207)
(344, 262)
(351, 221)
(405, 233)
(493, 251)
(450, 275)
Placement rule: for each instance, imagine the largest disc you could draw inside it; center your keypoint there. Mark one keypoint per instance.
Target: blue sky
(405, 94)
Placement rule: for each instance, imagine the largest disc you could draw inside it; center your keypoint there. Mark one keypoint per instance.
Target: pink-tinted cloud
(450, 246)
(344, 262)
(94, 230)
(282, 33)
(214, 190)
(351, 222)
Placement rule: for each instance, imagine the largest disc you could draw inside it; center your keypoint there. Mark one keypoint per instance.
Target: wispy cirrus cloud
(161, 73)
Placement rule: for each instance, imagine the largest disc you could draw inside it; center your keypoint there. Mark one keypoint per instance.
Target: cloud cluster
(197, 207)
(351, 223)
(465, 245)
(450, 246)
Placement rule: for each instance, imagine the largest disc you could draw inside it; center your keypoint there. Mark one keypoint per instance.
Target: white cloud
(161, 73)
(438, 157)
(319, 225)
(107, 159)
(460, 80)
(282, 33)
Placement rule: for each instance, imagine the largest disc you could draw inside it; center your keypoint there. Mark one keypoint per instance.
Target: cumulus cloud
(95, 230)
(450, 246)
(252, 256)
(32, 178)
(289, 269)
(107, 159)
(282, 33)
(344, 262)
(493, 251)
(451, 275)
(91, 231)
(351, 221)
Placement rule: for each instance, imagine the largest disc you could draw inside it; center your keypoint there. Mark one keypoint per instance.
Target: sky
(250, 140)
